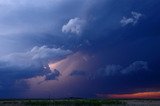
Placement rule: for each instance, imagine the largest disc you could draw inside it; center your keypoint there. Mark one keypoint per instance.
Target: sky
(79, 48)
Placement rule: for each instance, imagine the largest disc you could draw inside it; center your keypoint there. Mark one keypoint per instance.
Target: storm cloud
(33, 63)
(91, 47)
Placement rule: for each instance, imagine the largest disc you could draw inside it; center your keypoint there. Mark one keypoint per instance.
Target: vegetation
(77, 102)
(65, 102)
(80, 102)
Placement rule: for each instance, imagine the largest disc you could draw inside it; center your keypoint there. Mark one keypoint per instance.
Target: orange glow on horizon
(140, 95)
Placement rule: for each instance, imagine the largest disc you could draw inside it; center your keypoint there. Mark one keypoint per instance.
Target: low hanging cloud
(136, 66)
(74, 26)
(19, 66)
(109, 70)
(112, 70)
(131, 20)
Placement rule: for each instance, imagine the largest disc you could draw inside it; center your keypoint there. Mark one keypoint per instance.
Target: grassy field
(80, 102)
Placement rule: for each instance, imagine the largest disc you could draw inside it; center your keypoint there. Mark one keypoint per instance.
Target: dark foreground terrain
(80, 102)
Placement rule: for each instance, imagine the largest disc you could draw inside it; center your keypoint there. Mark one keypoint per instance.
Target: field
(80, 102)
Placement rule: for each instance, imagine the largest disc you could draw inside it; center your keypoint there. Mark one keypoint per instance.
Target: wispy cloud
(131, 20)
(136, 66)
(112, 70)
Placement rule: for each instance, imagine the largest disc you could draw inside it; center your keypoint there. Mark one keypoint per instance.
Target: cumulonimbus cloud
(74, 26)
(33, 63)
(43, 55)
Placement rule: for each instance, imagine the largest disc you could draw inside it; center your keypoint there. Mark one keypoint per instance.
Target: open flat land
(80, 102)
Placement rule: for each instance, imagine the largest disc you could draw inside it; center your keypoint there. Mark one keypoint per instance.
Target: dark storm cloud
(53, 75)
(78, 73)
(34, 62)
(135, 77)
(43, 55)
(120, 46)
(53, 23)
(25, 24)
(19, 66)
